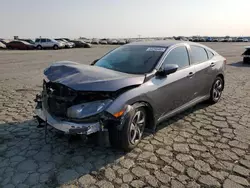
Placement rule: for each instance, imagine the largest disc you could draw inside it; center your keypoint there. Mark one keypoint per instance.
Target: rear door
(49, 43)
(43, 42)
(203, 62)
(175, 89)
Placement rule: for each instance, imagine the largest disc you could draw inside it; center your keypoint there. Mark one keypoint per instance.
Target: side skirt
(182, 108)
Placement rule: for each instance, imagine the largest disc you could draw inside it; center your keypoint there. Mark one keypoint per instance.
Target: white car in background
(2, 45)
(122, 41)
(41, 43)
(245, 40)
(67, 43)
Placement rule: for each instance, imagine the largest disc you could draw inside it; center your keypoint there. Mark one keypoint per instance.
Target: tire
(246, 60)
(132, 131)
(39, 47)
(55, 47)
(216, 90)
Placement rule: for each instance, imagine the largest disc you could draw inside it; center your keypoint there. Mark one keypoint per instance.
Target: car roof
(169, 43)
(164, 43)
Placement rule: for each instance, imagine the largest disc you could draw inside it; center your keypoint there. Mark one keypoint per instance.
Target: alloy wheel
(137, 127)
(217, 90)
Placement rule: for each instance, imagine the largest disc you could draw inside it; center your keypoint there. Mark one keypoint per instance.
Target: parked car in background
(81, 44)
(2, 45)
(20, 45)
(28, 40)
(240, 39)
(246, 55)
(41, 43)
(103, 41)
(95, 41)
(209, 39)
(121, 41)
(196, 39)
(68, 44)
(202, 39)
(227, 39)
(146, 84)
(245, 40)
(114, 41)
(215, 40)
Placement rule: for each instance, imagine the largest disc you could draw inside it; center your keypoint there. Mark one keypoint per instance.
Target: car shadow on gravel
(182, 115)
(239, 64)
(57, 158)
(50, 162)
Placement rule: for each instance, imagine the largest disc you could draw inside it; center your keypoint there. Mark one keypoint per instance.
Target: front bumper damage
(66, 126)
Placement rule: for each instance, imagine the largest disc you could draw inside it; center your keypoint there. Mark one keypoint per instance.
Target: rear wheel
(216, 90)
(132, 131)
(246, 60)
(55, 47)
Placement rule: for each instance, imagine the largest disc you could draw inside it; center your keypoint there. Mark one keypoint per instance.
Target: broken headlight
(87, 109)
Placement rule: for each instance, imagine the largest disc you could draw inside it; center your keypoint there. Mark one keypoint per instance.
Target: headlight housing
(87, 109)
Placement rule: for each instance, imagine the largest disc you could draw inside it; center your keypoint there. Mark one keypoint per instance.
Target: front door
(175, 89)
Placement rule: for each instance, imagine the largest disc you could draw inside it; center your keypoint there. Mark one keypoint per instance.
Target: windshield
(132, 59)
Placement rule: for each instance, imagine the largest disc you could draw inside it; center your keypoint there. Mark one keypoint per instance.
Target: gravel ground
(206, 146)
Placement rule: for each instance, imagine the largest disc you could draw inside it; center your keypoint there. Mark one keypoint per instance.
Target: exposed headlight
(87, 109)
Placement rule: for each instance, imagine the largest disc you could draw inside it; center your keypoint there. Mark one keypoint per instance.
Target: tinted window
(133, 59)
(48, 40)
(210, 54)
(199, 54)
(43, 40)
(178, 56)
(37, 40)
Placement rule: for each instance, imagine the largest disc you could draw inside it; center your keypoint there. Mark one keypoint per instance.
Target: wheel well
(150, 114)
(222, 77)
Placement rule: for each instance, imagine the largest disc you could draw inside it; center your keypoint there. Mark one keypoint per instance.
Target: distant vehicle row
(43, 43)
(110, 41)
(211, 39)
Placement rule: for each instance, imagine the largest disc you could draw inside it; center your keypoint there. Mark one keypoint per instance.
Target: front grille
(59, 98)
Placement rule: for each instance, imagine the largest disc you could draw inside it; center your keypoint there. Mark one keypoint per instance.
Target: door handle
(190, 74)
(212, 64)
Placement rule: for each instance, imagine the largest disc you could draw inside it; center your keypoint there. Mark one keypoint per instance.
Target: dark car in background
(81, 44)
(130, 89)
(246, 55)
(28, 40)
(20, 45)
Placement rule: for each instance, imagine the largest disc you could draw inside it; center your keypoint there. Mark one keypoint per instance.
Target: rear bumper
(66, 126)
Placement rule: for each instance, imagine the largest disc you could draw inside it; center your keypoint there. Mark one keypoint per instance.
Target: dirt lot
(207, 146)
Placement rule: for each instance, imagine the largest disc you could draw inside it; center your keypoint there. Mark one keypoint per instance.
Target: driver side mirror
(94, 62)
(167, 69)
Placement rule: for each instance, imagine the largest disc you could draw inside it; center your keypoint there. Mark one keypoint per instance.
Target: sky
(123, 18)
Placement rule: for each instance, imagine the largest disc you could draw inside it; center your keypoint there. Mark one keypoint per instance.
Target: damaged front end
(75, 112)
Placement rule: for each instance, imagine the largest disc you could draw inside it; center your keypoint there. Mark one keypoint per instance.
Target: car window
(133, 59)
(43, 40)
(48, 40)
(198, 54)
(178, 56)
(37, 40)
(210, 54)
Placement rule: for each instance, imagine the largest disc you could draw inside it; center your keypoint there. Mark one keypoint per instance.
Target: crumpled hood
(90, 78)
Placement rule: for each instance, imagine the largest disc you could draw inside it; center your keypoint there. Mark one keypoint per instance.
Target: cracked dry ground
(206, 146)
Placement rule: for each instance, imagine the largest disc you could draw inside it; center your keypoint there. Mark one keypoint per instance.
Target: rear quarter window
(198, 54)
(210, 54)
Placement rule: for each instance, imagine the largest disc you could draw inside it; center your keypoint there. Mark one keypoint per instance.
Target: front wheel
(216, 90)
(39, 47)
(131, 134)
